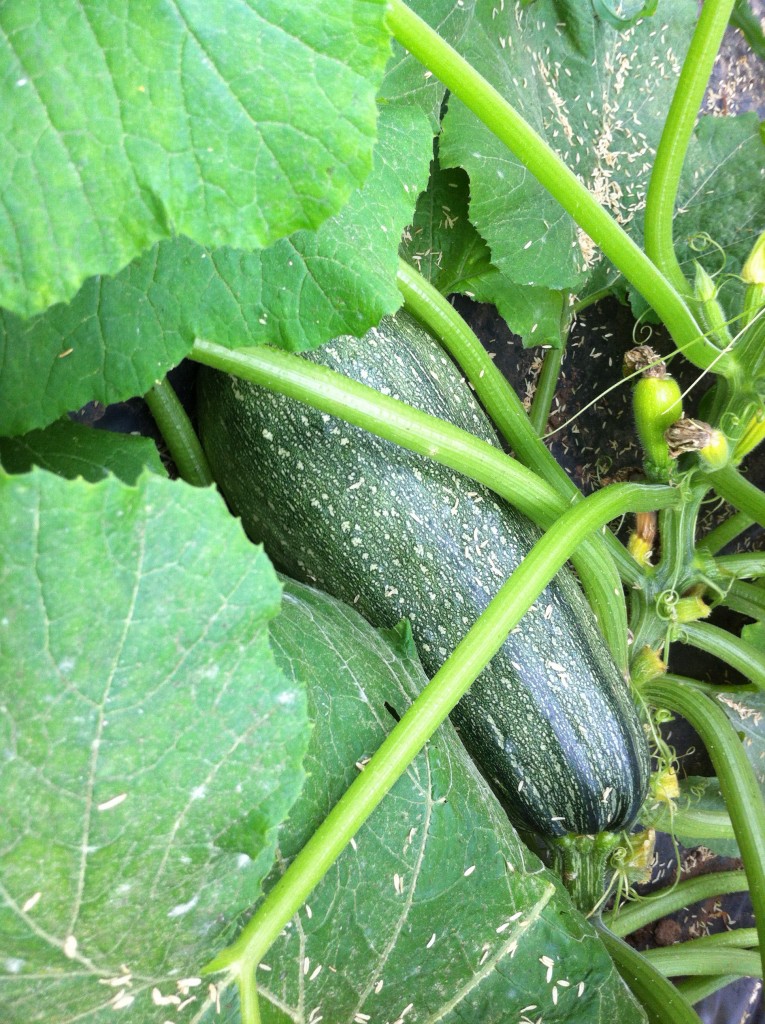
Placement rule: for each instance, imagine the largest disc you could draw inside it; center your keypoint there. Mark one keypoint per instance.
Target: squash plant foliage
(195, 824)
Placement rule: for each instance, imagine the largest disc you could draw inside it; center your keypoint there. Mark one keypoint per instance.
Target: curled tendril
(703, 242)
(642, 332)
(666, 603)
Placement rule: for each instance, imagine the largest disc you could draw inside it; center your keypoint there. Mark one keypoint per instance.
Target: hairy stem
(740, 655)
(692, 822)
(703, 957)
(738, 783)
(544, 394)
(498, 398)
(726, 533)
(660, 999)
(696, 989)
(632, 916)
(739, 492)
(676, 136)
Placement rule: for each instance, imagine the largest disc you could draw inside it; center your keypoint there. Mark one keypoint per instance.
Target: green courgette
(551, 722)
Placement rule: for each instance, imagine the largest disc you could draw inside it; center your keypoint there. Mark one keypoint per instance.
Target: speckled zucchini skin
(550, 721)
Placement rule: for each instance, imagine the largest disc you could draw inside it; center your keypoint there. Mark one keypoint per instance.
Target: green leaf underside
(722, 194)
(406, 80)
(234, 123)
(747, 713)
(447, 249)
(437, 904)
(120, 334)
(597, 96)
(150, 745)
(72, 449)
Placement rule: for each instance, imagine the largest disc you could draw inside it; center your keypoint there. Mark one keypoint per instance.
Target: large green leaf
(71, 449)
(149, 746)
(436, 912)
(234, 122)
(406, 80)
(598, 97)
(448, 250)
(120, 334)
(341, 279)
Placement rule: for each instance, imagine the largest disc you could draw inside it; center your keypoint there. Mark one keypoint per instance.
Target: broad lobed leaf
(149, 745)
(233, 123)
(118, 335)
(436, 911)
(72, 449)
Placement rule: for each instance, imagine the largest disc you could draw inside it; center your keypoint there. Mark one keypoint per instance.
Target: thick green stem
(632, 916)
(248, 998)
(424, 716)
(711, 689)
(746, 599)
(582, 863)
(739, 492)
(696, 989)
(544, 163)
(659, 997)
(676, 136)
(726, 533)
(672, 575)
(180, 437)
(601, 580)
(738, 783)
(744, 565)
(494, 392)
(691, 823)
(703, 958)
(395, 421)
(740, 655)
(544, 393)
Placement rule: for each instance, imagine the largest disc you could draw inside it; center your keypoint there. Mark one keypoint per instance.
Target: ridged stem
(740, 655)
(739, 492)
(632, 916)
(704, 958)
(395, 421)
(553, 174)
(746, 599)
(738, 783)
(599, 577)
(726, 533)
(658, 996)
(179, 435)
(696, 989)
(743, 565)
(494, 391)
(711, 689)
(691, 823)
(423, 717)
(676, 135)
